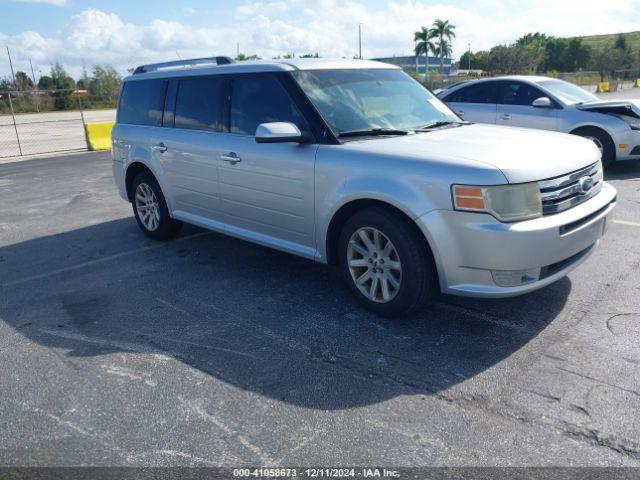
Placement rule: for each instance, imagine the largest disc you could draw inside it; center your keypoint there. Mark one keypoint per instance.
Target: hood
(619, 107)
(522, 155)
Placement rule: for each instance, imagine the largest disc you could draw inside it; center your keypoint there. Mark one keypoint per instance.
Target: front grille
(561, 193)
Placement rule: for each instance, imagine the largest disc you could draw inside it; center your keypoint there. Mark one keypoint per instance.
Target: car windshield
(372, 100)
(567, 92)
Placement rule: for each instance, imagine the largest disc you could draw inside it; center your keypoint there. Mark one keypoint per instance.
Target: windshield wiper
(440, 123)
(372, 132)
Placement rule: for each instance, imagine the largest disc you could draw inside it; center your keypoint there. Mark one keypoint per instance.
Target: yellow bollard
(637, 84)
(98, 135)
(603, 87)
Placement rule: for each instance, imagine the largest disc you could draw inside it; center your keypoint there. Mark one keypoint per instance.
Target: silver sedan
(551, 104)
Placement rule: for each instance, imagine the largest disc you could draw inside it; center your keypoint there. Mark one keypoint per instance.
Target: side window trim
(169, 110)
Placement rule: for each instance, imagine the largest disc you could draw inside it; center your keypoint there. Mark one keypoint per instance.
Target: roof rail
(152, 67)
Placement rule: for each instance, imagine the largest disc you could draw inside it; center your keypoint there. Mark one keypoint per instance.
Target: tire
(148, 197)
(416, 279)
(603, 142)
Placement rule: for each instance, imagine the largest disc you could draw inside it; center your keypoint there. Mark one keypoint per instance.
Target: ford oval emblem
(585, 184)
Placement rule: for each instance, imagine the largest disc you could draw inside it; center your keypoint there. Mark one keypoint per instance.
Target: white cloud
(329, 27)
(57, 3)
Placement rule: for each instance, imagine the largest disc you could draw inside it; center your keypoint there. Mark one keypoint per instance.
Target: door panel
(191, 170)
(266, 189)
(270, 189)
(515, 109)
(475, 112)
(527, 117)
(195, 109)
(475, 101)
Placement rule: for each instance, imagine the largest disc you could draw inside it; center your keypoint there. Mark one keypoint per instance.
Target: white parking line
(99, 260)
(627, 222)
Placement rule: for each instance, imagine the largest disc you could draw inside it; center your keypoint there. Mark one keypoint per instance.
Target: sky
(125, 34)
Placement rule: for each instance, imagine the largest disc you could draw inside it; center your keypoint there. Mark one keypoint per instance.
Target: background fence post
(15, 126)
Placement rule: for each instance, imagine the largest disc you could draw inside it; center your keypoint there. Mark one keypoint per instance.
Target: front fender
(404, 194)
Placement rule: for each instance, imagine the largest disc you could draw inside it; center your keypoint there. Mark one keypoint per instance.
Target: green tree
(23, 82)
(605, 60)
(443, 31)
(62, 100)
(104, 84)
(424, 45)
(46, 83)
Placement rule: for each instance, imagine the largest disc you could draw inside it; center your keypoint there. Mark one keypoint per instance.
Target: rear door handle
(231, 157)
(161, 147)
(460, 112)
(506, 116)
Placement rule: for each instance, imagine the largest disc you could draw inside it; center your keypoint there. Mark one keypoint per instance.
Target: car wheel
(603, 142)
(385, 262)
(150, 209)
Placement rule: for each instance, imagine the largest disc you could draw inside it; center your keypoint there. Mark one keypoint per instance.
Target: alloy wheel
(374, 264)
(147, 207)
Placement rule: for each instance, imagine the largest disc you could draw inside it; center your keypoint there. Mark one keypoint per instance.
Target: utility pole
(469, 72)
(33, 76)
(360, 41)
(11, 65)
(237, 49)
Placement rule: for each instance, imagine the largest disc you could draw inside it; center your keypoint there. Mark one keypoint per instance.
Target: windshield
(360, 100)
(567, 92)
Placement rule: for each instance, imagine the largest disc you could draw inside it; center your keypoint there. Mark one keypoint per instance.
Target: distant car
(551, 104)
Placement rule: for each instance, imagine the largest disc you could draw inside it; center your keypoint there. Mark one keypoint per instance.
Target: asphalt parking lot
(116, 350)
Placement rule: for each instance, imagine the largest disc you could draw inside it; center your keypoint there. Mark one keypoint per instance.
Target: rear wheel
(603, 142)
(385, 262)
(150, 209)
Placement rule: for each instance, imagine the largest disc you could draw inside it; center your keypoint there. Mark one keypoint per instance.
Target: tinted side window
(199, 104)
(258, 99)
(141, 102)
(516, 93)
(483, 92)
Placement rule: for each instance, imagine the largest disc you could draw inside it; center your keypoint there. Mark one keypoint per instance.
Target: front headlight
(508, 203)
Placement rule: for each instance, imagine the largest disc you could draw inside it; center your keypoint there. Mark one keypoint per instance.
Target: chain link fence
(36, 121)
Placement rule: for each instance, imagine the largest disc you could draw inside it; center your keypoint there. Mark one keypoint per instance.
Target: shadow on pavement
(261, 320)
(623, 170)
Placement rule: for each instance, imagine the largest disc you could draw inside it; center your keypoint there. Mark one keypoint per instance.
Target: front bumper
(468, 246)
(631, 145)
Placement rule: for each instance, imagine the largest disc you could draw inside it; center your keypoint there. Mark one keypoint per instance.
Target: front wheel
(603, 142)
(385, 262)
(150, 209)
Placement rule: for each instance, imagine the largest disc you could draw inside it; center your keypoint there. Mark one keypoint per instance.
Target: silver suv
(353, 163)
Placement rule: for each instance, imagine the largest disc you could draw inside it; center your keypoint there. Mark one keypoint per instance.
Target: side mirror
(279, 132)
(542, 102)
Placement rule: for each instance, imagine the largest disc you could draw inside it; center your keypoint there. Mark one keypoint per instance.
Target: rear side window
(261, 99)
(141, 102)
(199, 104)
(483, 92)
(517, 93)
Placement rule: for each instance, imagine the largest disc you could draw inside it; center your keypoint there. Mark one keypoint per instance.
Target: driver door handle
(231, 157)
(161, 147)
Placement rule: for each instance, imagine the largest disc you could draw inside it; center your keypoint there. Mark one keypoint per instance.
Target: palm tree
(424, 45)
(443, 31)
